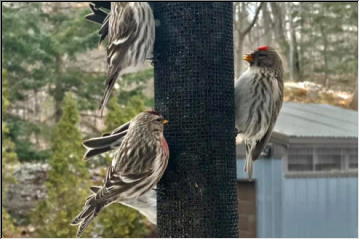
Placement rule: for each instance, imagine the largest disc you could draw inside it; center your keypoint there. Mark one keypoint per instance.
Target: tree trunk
(58, 91)
(279, 29)
(294, 65)
(324, 55)
(194, 89)
(238, 38)
(238, 55)
(267, 22)
(300, 41)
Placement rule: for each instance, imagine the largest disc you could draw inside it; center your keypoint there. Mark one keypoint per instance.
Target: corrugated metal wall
(320, 207)
(303, 207)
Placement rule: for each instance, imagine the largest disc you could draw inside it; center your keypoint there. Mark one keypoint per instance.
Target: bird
(258, 100)
(138, 165)
(130, 30)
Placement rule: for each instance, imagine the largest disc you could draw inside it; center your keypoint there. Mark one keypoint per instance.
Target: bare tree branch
(247, 30)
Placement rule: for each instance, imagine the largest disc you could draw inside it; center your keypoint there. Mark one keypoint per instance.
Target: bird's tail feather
(109, 86)
(97, 15)
(95, 189)
(90, 210)
(93, 152)
(100, 142)
(96, 146)
(248, 168)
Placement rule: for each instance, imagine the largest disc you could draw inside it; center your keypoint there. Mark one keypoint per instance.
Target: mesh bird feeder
(194, 89)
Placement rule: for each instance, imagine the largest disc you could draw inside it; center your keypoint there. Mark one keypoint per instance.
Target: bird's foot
(153, 59)
(236, 132)
(159, 192)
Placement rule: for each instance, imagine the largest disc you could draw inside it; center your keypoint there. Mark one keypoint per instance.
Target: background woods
(58, 52)
(317, 40)
(53, 69)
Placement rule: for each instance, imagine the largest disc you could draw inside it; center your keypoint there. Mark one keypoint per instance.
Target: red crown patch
(263, 48)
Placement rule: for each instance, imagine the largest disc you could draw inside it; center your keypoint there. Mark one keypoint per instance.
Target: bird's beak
(248, 57)
(165, 121)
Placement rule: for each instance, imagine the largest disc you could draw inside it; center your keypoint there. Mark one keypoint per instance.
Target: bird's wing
(123, 180)
(122, 31)
(262, 143)
(122, 186)
(130, 171)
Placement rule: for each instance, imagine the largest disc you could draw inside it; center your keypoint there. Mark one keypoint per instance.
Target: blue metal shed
(307, 184)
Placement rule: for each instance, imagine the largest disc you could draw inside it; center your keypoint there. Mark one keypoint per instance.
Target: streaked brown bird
(258, 100)
(130, 29)
(138, 165)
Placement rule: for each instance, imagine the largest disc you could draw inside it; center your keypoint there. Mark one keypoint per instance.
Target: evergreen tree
(118, 221)
(328, 42)
(40, 48)
(42, 52)
(126, 104)
(7, 148)
(68, 178)
(9, 158)
(120, 114)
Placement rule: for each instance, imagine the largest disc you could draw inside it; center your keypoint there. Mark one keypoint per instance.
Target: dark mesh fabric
(194, 90)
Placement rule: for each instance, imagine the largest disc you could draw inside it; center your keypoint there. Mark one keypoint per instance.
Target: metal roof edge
(323, 140)
(280, 138)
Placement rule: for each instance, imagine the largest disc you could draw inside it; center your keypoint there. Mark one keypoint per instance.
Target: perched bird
(130, 28)
(138, 165)
(258, 99)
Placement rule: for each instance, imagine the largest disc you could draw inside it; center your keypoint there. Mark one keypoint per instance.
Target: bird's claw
(236, 132)
(153, 59)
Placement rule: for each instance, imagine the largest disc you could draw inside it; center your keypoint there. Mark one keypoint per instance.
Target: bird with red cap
(258, 100)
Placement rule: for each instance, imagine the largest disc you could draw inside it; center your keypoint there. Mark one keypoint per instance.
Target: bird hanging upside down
(258, 99)
(139, 163)
(130, 29)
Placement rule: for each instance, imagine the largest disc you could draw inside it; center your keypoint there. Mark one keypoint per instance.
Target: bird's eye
(158, 119)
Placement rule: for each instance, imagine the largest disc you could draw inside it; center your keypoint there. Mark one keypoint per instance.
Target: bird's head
(264, 57)
(150, 120)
